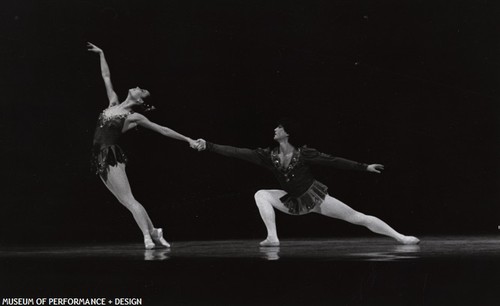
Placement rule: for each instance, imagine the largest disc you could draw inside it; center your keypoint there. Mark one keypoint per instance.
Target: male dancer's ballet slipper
(269, 243)
(409, 240)
(157, 236)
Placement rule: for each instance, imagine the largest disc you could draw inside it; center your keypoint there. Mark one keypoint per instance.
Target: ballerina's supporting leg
(118, 184)
(334, 208)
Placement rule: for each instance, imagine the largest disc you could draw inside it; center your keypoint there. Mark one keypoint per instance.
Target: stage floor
(354, 249)
(449, 270)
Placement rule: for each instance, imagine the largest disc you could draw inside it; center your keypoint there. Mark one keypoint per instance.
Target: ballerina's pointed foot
(269, 242)
(157, 236)
(409, 240)
(148, 243)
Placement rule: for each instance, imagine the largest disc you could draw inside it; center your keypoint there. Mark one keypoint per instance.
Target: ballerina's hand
(201, 144)
(377, 168)
(193, 144)
(93, 48)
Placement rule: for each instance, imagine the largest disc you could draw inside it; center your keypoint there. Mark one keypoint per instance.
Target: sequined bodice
(288, 171)
(109, 129)
(296, 178)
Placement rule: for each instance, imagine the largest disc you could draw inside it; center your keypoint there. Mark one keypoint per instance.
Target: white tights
(268, 200)
(118, 184)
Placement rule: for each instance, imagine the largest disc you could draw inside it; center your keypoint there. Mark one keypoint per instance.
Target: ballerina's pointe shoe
(157, 236)
(409, 240)
(148, 243)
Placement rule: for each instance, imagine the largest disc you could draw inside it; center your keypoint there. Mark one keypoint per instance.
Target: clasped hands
(199, 144)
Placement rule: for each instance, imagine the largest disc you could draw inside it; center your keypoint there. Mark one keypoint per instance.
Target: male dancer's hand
(377, 168)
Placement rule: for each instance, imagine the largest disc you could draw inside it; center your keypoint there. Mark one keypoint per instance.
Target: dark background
(409, 84)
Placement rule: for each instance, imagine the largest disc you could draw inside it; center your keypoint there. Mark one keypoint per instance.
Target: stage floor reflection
(356, 249)
(449, 270)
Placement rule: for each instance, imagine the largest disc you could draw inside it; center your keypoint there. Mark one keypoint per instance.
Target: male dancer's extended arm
(313, 156)
(241, 153)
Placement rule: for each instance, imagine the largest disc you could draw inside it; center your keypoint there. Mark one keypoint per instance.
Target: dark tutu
(315, 195)
(105, 157)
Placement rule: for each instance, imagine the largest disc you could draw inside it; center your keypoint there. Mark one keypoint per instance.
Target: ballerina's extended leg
(118, 184)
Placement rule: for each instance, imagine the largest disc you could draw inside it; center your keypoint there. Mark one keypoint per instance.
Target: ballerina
(109, 160)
